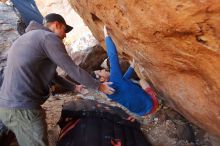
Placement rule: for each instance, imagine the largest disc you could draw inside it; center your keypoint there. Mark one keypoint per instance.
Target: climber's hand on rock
(132, 63)
(105, 31)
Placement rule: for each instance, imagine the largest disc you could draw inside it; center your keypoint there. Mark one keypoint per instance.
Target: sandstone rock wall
(176, 44)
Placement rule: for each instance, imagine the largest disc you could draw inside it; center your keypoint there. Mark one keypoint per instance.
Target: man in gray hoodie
(31, 66)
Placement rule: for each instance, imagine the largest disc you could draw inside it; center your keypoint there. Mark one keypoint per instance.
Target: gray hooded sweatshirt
(31, 66)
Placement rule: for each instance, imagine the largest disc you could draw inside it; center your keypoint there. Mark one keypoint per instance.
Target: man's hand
(105, 31)
(105, 88)
(80, 89)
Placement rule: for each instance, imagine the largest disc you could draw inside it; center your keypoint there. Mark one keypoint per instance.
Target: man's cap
(56, 17)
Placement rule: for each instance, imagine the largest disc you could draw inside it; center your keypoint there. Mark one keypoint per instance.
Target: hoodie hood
(33, 25)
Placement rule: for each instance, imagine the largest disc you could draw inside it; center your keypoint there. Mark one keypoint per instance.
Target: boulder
(89, 59)
(176, 45)
(87, 53)
(8, 33)
(8, 27)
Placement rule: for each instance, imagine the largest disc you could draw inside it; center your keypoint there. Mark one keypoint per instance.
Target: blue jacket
(127, 93)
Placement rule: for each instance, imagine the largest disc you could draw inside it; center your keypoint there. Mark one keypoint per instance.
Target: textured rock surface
(8, 27)
(176, 44)
(89, 59)
(8, 32)
(87, 53)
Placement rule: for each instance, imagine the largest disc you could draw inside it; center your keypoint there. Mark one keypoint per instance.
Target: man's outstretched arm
(56, 52)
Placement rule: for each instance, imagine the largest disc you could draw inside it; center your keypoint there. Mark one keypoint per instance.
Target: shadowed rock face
(176, 45)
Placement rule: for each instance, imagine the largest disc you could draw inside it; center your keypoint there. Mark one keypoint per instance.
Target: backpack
(89, 123)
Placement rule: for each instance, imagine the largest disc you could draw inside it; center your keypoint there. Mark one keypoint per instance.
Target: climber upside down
(140, 100)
